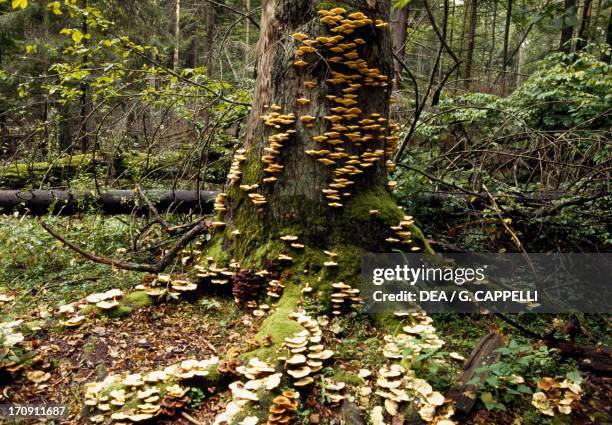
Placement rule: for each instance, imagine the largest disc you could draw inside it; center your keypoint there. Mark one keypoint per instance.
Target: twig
(163, 262)
(191, 419)
(522, 329)
(158, 218)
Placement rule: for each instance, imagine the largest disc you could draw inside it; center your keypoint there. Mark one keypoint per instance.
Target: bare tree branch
(200, 228)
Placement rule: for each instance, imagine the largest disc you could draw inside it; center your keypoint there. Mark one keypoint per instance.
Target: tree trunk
(247, 35)
(505, 48)
(84, 102)
(308, 195)
(469, 60)
(584, 23)
(209, 39)
(567, 30)
(177, 33)
(400, 34)
(493, 39)
(607, 57)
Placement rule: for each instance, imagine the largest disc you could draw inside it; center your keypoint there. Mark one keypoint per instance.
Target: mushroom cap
(300, 373)
(322, 355)
(435, 398)
(304, 382)
(74, 321)
(250, 420)
(297, 359)
(38, 376)
(107, 305)
(391, 406)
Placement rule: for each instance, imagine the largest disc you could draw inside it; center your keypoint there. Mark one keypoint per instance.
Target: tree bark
(505, 48)
(177, 33)
(296, 199)
(209, 39)
(400, 34)
(584, 23)
(493, 39)
(567, 31)
(469, 60)
(607, 57)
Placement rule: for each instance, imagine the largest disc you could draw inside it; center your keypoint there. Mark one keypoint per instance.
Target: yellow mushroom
(300, 63)
(299, 36)
(303, 101)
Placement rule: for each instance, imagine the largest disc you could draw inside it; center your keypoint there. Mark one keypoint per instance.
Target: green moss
(278, 325)
(137, 299)
(374, 198)
(120, 311)
(348, 377)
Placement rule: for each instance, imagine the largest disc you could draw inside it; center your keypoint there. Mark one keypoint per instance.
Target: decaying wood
(484, 354)
(38, 202)
(594, 359)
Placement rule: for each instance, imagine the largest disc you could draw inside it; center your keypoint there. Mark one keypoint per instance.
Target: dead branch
(200, 228)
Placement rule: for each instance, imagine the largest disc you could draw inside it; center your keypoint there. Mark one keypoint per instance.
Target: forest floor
(37, 275)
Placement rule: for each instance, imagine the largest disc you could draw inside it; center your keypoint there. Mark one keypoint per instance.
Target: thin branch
(238, 12)
(200, 228)
(158, 218)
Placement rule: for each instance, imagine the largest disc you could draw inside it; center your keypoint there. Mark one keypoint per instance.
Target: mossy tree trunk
(295, 202)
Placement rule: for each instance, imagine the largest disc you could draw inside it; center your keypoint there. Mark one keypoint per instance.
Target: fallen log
(62, 202)
(464, 394)
(594, 359)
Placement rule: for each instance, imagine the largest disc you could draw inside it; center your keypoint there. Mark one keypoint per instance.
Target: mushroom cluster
(275, 288)
(355, 141)
(11, 340)
(260, 375)
(246, 285)
(140, 397)
(307, 352)
(165, 284)
(395, 386)
(402, 233)
(219, 205)
(105, 301)
(334, 391)
(235, 174)
(555, 395)
(214, 274)
(283, 408)
(276, 141)
(415, 339)
(344, 294)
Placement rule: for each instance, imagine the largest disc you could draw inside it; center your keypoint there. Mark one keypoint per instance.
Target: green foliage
(566, 91)
(508, 379)
(33, 262)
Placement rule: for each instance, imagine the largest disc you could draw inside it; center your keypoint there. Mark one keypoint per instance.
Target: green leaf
(19, 4)
(522, 388)
(574, 376)
(55, 7)
(77, 36)
(487, 399)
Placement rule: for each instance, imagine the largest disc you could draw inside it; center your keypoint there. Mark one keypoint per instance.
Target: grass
(40, 271)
